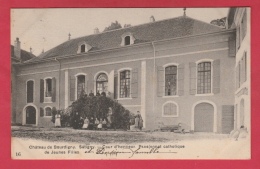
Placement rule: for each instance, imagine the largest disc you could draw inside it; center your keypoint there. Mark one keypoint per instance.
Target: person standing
(86, 123)
(140, 122)
(57, 120)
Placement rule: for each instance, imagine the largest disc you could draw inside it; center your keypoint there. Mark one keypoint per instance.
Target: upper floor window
(102, 83)
(82, 48)
(204, 78)
(30, 90)
(127, 39)
(80, 84)
(171, 80)
(47, 111)
(48, 88)
(125, 84)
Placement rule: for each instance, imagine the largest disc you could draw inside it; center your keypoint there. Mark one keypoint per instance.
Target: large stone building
(239, 18)
(178, 70)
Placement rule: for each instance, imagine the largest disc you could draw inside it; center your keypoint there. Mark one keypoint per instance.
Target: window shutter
(193, 78)
(243, 68)
(72, 88)
(134, 83)
(216, 76)
(180, 84)
(90, 84)
(237, 76)
(245, 60)
(30, 91)
(244, 24)
(41, 90)
(41, 112)
(53, 83)
(115, 85)
(232, 47)
(238, 38)
(160, 81)
(240, 73)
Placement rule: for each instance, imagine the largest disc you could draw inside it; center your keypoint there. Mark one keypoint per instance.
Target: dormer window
(127, 39)
(83, 47)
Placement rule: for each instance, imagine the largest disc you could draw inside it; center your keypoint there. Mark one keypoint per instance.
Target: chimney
(30, 49)
(17, 48)
(152, 19)
(96, 31)
(69, 36)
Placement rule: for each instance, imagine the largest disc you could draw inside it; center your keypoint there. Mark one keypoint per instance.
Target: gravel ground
(106, 137)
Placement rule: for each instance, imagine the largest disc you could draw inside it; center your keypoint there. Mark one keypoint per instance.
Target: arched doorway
(204, 117)
(242, 113)
(30, 114)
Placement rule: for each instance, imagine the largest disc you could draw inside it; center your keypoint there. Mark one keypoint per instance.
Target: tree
(113, 26)
(219, 22)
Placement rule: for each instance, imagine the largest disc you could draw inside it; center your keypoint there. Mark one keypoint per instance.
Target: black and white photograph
(130, 83)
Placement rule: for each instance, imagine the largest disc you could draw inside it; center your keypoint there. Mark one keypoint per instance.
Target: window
(29, 89)
(127, 40)
(82, 48)
(125, 84)
(170, 109)
(80, 84)
(48, 88)
(170, 80)
(102, 83)
(204, 78)
(47, 111)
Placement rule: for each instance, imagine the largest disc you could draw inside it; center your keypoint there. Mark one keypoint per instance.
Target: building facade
(178, 70)
(239, 18)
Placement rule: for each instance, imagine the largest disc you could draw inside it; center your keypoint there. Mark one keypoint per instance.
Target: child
(100, 125)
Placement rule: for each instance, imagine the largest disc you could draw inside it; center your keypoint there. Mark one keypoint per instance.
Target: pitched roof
(154, 31)
(24, 54)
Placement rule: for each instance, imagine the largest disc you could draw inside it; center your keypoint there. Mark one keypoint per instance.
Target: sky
(43, 29)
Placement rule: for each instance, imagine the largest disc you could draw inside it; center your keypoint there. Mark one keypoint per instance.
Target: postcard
(131, 83)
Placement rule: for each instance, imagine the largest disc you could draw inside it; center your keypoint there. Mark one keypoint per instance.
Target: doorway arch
(30, 115)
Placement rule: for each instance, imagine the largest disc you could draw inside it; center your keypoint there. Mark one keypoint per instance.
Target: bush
(98, 106)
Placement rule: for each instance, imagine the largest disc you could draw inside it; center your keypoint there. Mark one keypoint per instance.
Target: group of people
(98, 124)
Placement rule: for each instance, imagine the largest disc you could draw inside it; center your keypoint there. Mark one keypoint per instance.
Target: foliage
(219, 22)
(98, 107)
(113, 26)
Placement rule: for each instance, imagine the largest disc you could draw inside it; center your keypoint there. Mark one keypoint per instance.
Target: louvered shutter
(216, 76)
(134, 83)
(238, 38)
(53, 83)
(115, 85)
(41, 112)
(180, 76)
(160, 81)
(90, 82)
(72, 88)
(232, 47)
(237, 76)
(193, 78)
(41, 90)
